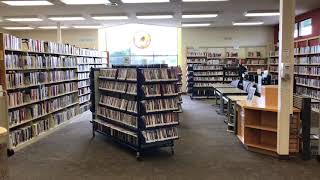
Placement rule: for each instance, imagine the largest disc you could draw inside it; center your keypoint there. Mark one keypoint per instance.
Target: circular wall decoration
(142, 40)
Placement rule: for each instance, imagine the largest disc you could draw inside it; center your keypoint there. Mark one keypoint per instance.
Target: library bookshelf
(306, 66)
(41, 81)
(137, 106)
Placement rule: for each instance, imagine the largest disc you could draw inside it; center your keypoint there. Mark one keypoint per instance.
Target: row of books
(61, 117)
(203, 84)
(254, 54)
(26, 133)
(160, 134)
(15, 43)
(229, 73)
(117, 132)
(203, 92)
(160, 104)
(307, 70)
(208, 78)
(204, 68)
(210, 73)
(307, 49)
(36, 110)
(91, 60)
(109, 73)
(274, 68)
(85, 90)
(231, 78)
(21, 135)
(197, 60)
(255, 61)
(255, 69)
(84, 67)
(127, 74)
(85, 107)
(83, 75)
(118, 116)
(160, 74)
(152, 120)
(84, 98)
(196, 54)
(123, 104)
(214, 62)
(123, 87)
(14, 61)
(307, 60)
(17, 80)
(40, 93)
(308, 81)
(314, 93)
(83, 83)
(157, 89)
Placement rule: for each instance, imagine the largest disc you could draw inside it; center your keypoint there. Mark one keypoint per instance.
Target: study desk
(220, 85)
(222, 92)
(257, 127)
(232, 112)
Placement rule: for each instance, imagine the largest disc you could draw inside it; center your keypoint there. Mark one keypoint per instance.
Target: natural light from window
(305, 27)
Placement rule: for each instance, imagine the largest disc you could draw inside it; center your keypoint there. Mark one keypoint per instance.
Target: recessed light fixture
(110, 17)
(196, 25)
(203, 0)
(21, 19)
(18, 28)
(189, 16)
(247, 23)
(87, 27)
(154, 16)
(27, 3)
(84, 2)
(261, 14)
(145, 1)
(73, 18)
(52, 27)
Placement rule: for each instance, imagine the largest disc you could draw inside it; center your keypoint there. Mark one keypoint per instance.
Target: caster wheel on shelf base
(138, 156)
(172, 151)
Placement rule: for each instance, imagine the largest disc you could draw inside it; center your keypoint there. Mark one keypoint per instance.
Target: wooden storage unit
(257, 126)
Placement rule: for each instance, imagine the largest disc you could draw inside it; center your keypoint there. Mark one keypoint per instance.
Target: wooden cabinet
(257, 126)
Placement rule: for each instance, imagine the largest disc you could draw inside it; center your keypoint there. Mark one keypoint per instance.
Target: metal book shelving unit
(134, 135)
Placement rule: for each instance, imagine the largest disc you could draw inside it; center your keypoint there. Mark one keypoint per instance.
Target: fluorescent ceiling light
(66, 18)
(84, 2)
(52, 27)
(18, 28)
(23, 19)
(196, 25)
(247, 23)
(145, 1)
(27, 3)
(199, 16)
(109, 17)
(261, 14)
(154, 16)
(203, 0)
(87, 27)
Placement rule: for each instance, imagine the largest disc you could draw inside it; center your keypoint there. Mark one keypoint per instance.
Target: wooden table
(220, 85)
(232, 112)
(3, 154)
(228, 91)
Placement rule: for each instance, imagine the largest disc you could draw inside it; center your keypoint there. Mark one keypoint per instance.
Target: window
(295, 30)
(142, 44)
(305, 27)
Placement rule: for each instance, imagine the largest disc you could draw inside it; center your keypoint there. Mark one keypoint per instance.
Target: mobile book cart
(138, 128)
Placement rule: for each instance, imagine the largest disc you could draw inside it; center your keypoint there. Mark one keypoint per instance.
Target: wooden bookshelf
(306, 66)
(41, 82)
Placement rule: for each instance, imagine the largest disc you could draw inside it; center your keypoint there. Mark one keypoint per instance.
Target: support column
(59, 37)
(286, 64)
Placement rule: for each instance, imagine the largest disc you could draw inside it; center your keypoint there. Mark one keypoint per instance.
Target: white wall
(223, 37)
(80, 38)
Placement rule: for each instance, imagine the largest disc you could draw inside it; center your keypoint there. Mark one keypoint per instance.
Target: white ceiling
(228, 12)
